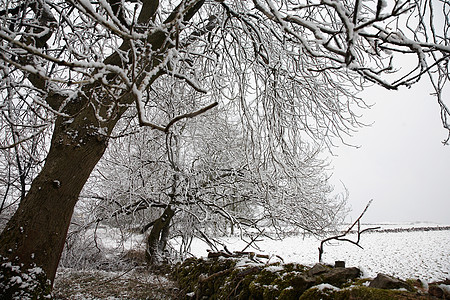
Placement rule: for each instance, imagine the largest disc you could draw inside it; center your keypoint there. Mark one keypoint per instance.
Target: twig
(253, 240)
(207, 240)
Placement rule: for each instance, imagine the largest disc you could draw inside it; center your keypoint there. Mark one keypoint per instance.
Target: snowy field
(414, 254)
(417, 254)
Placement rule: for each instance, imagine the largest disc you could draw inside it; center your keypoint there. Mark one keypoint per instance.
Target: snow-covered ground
(414, 254)
(417, 254)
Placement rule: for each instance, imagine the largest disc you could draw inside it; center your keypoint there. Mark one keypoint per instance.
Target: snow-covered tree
(206, 176)
(290, 69)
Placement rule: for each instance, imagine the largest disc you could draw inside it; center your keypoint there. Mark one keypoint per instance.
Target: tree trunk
(36, 233)
(157, 239)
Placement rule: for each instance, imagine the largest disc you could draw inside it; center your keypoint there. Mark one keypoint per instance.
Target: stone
(317, 269)
(339, 276)
(441, 291)
(339, 264)
(435, 291)
(386, 282)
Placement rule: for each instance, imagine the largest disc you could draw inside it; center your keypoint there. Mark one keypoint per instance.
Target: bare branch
(340, 237)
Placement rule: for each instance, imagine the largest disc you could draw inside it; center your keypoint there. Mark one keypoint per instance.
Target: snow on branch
(144, 122)
(189, 115)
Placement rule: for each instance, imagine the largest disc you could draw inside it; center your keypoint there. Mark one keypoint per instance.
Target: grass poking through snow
(136, 283)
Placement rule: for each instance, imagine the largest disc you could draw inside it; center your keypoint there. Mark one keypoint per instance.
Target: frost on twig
(342, 237)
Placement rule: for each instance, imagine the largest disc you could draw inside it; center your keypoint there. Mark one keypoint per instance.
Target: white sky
(402, 164)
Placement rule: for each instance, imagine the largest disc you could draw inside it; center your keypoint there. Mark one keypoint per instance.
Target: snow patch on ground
(445, 288)
(326, 286)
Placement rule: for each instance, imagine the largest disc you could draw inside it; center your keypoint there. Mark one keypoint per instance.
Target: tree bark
(158, 236)
(35, 235)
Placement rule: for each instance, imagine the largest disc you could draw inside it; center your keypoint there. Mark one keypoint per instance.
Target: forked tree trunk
(158, 236)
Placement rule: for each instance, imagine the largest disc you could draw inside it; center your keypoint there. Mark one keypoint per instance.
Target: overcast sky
(402, 164)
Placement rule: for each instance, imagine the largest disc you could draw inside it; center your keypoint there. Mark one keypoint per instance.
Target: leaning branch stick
(341, 237)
